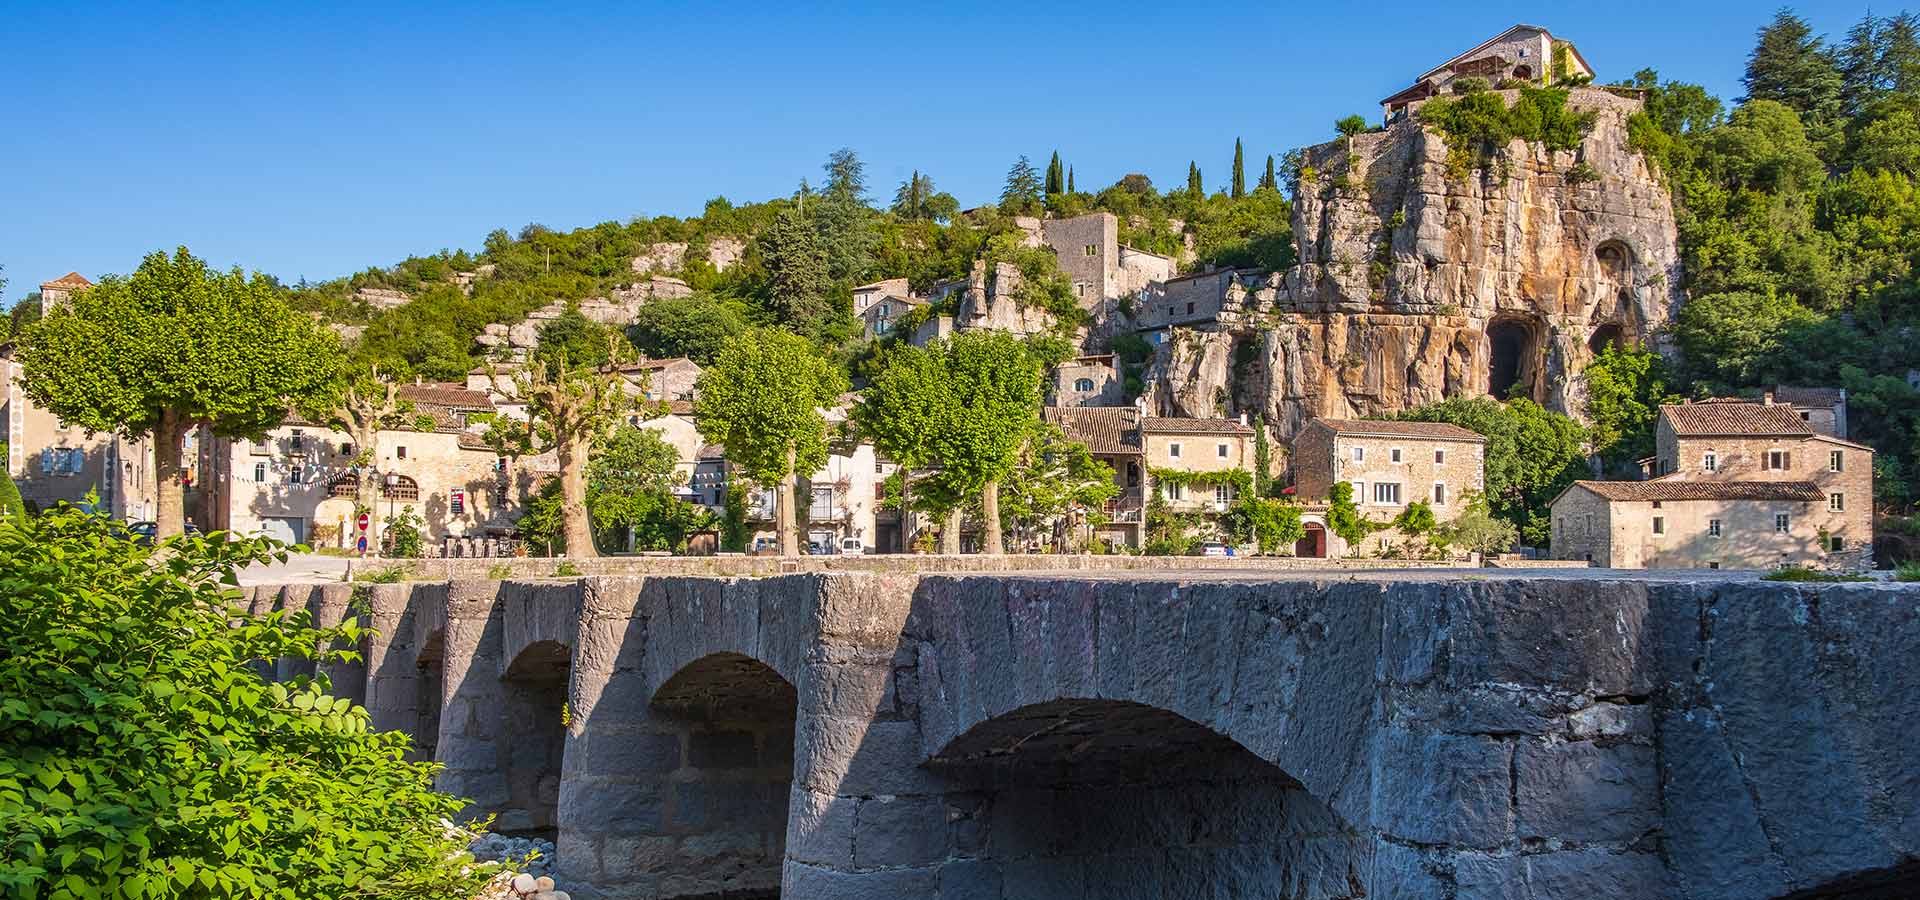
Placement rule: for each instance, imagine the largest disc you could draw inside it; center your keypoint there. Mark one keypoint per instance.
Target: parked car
(1213, 548)
(143, 532)
(766, 546)
(819, 548)
(852, 546)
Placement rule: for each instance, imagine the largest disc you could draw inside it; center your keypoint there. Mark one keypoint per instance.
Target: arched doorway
(732, 718)
(1523, 72)
(1314, 545)
(535, 739)
(1513, 350)
(429, 683)
(1097, 794)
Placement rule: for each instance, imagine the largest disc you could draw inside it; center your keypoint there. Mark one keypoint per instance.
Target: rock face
(864, 735)
(1413, 286)
(382, 298)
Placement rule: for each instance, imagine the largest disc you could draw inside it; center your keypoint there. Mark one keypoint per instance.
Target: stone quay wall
(741, 565)
(862, 735)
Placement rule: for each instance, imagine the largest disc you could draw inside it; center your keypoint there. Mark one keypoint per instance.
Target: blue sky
(318, 142)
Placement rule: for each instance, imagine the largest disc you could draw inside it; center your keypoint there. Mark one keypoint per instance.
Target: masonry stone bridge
(877, 736)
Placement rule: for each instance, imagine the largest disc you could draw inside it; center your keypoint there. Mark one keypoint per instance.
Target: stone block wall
(867, 735)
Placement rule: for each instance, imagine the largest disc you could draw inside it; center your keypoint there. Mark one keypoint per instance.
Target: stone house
(55, 292)
(867, 294)
(1088, 381)
(1824, 409)
(53, 461)
(879, 315)
(664, 379)
(299, 481)
(1112, 435)
(1738, 485)
(1390, 465)
(1197, 446)
(1526, 53)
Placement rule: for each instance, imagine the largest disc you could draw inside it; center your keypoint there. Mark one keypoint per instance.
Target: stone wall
(972, 736)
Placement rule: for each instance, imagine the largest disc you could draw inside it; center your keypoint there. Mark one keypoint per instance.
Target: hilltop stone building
(1523, 53)
(1738, 485)
(1390, 464)
(1135, 444)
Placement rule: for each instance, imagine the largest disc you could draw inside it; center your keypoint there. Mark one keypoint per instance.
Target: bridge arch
(429, 691)
(1129, 800)
(533, 731)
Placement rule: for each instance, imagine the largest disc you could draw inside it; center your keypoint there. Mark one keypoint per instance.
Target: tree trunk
(786, 520)
(950, 533)
(573, 499)
(170, 505)
(366, 492)
(990, 511)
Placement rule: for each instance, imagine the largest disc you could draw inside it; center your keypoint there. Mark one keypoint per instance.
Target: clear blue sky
(316, 143)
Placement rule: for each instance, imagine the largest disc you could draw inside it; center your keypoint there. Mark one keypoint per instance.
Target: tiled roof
(712, 451)
(453, 396)
(1734, 419)
(1104, 429)
(650, 365)
(1197, 426)
(70, 281)
(1808, 396)
(1434, 431)
(1677, 489)
(470, 441)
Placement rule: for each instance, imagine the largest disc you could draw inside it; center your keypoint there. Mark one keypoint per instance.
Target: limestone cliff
(1413, 286)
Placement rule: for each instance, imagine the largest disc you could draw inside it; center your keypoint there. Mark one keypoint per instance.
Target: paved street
(308, 568)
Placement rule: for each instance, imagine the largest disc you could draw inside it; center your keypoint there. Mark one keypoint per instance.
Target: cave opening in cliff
(1513, 346)
(1092, 792)
(1616, 262)
(1605, 336)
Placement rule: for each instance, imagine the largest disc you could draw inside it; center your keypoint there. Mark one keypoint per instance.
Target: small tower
(53, 293)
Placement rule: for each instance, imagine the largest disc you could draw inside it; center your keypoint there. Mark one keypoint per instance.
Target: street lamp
(392, 480)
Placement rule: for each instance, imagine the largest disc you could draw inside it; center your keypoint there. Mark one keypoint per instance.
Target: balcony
(1125, 508)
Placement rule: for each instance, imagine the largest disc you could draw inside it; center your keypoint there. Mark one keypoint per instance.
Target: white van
(852, 546)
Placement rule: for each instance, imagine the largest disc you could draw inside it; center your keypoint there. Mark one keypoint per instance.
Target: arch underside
(1901, 882)
(536, 736)
(1124, 800)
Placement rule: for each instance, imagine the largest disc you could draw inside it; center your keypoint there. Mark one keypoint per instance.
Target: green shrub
(1907, 571)
(403, 534)
(383, 575)
(567, 570)
(499, 572)
(1802, 573)
(1478, 124)
(142, 756)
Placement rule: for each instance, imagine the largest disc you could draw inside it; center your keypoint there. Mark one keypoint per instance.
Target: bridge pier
(857, 735)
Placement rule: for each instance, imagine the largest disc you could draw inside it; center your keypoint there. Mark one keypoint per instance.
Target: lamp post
(392, 480)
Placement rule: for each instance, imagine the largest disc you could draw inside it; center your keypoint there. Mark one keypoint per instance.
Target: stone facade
(1088, 381)
(1389, 464)
(879, 315)
(53, 462)
(1200, 446)
(1414, 286)
(1521, 53)
(843, 736)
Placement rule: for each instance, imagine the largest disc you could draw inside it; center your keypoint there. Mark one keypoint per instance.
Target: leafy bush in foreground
(141, 756)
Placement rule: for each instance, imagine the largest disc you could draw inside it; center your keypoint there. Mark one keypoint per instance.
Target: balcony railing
(1125, 509)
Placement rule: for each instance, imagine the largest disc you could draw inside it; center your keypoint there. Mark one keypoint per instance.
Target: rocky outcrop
(382, 298)
(1413, 286)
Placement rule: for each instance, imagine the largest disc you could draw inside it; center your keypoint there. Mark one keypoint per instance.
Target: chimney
(1243, 418)
(1766, 397)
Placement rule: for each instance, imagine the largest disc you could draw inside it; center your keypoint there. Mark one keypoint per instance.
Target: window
(1836, 461)
(1393, 455)
(1359, 454)
(1189, 309)
(1169, 312)
(298, 442)
(259, 471)
(1836, 503)
(878, 467)
(296, 474)
(457, 502)
(1713, 528)
(1713, 565)
(1781, 523)
(1656, 504)
(1220, 450)
(1359, 492)
(1083, 384)
(400, 452)
(1090, 250)
(1778, 459)
(1839, 543)
(1223, 493)
(500, 464)
(1439, 493)
(1387, 492)
(401, 488)
(1439, 457)
(1080, 288)
(1710, 462)
(1173, 490)
(1173, 449)
(1659, 524)
(347, 485)
(1806, 417)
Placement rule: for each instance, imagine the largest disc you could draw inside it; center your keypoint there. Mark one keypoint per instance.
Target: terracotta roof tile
(1808, 396)
(1104, 429)
(1676, 489)
(1721, 418)
(453, 396)
(1170, 425)
(70, 281)
(1435, 431)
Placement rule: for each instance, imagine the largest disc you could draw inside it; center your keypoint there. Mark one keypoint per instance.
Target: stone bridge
(887, 736)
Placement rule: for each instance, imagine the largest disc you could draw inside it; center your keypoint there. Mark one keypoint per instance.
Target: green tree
(843, 218)
(1738, 337)
(1791, 65)
(1417, 522)
(568, 410)
(143, 754)
(404, 540)
(576, 339)
(1267, 180)
(1349, 126)
(1271, 523)
(1343, 515)
(1195, 190)
(11, 504)
(1531, 454)
(366, 403)
(174, 347)
(1055, 482)
(918, 199)
(630, 488)
(1477, 529)
(1070, 188)
(697, 326)
(906, 402)
(1262, 458)
(996, 390)
(1239, 171)
(1022, 194)
(798, 285)
(762, 401)
(1056, 176)
(1625, 388)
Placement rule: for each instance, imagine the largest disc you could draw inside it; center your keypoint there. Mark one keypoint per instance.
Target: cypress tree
(1267, 180)
(1262, 457)
(1070, 187)
(1239, 171)
(1054, 181)
(1194, 188)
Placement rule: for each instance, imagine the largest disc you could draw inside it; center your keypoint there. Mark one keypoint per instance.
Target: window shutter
(1786, 460)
